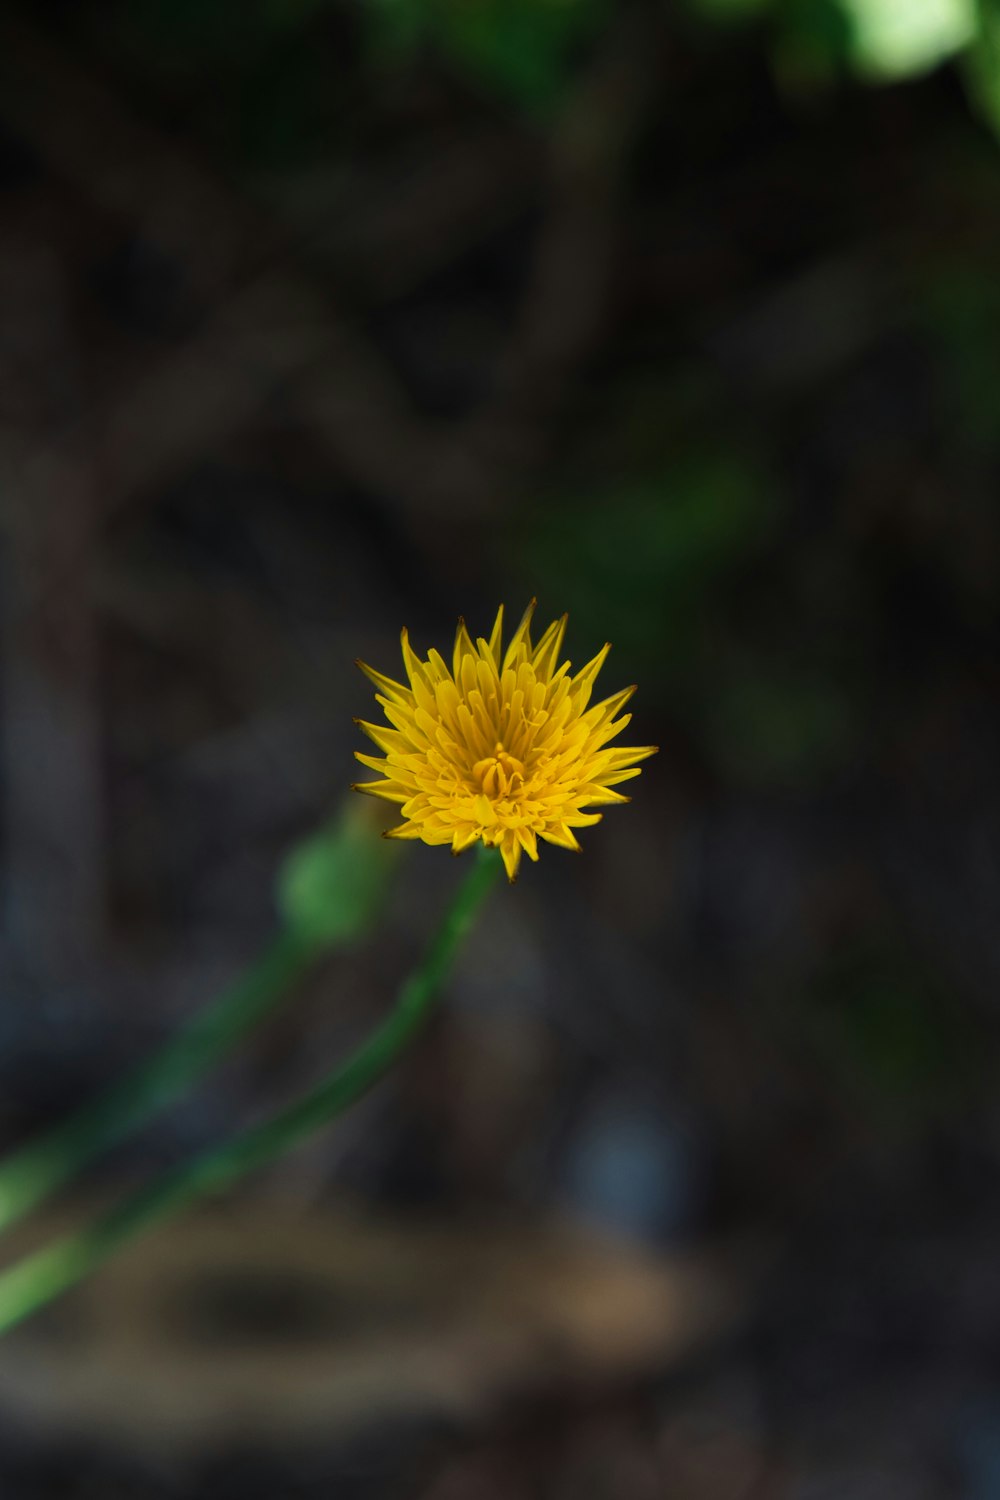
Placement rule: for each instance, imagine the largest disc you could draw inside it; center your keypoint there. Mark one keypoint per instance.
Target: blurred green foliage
(983, 62)
(811, 45)
(669, 567)
(522, 48)
(649, 552)
(273, 86)
(897, 38)
(775, 722)
(878, 39)
(886, 1031)
(959, 308)
(332, 887)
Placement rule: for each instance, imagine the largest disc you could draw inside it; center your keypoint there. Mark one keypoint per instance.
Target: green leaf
(900, 38)
(982, 63)
(332, 886)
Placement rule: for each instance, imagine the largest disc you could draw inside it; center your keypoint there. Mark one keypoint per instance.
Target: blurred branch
(121, 164)
(385, 229)
(276, 331)
(276, 326)
(564, 302)
(282, 323)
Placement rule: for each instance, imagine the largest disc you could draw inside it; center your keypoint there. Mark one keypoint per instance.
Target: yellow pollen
(499, 774)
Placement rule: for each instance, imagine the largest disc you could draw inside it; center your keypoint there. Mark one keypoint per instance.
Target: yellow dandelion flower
(502, 747)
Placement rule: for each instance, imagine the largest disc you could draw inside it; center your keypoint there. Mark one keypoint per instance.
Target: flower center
(499, 774)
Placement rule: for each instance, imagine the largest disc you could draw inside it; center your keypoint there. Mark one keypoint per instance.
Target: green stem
(38, 1278)
(39, 1168)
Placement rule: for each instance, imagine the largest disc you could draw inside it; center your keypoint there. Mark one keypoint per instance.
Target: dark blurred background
(321, 317)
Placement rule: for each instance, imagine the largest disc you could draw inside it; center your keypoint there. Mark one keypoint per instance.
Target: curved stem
(35, 1171)
(35, 1280)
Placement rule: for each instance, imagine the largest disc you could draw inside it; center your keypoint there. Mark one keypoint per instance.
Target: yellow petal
(432, 835)
(496, 637)
(628, 756)
(463, 838)
(520, 638)
(371, 761)
(393, 690)
(386, 789)
(582, 684)
(608, 707)
(546, 653)
(385, 739)
(613, 778)
(484, 811)
(510, 853)
(437, 669)
(558, 833)
(463, 647)
(528, 841)
(415, 669)
(597, 796)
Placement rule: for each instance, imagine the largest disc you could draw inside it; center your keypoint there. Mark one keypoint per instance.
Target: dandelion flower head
(501, 747)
